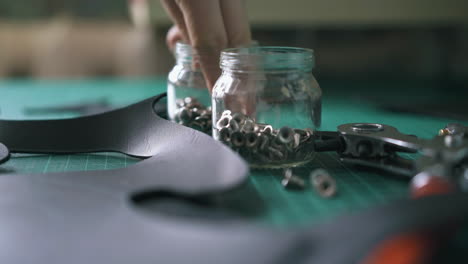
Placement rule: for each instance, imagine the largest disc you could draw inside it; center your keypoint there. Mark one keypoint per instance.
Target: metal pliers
(377, 146)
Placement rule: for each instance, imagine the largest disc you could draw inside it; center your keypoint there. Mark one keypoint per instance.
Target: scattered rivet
(291, 181)
(323, 183)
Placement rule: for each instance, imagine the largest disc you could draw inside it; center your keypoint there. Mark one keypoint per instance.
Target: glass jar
(188, 99)
(266, 104)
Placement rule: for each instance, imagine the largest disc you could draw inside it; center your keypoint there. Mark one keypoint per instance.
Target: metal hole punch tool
(378, 146)
(442, 167)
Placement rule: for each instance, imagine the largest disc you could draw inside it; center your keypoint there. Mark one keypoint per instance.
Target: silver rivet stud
(323, 183)
(234, 125)
(223, 122)
(286, 135)
(237, 139)
(225, 134)
(251, 140)
(291, 181)
(185, 115)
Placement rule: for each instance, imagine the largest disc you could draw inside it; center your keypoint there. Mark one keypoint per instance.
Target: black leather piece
(132, 130)
(91, 217)
(182, 158)
(69, 218)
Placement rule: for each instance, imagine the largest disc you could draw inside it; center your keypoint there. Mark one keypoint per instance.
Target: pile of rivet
(191, 113)
(263, 146)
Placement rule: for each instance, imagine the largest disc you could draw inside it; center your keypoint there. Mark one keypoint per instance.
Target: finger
(207, 34)
(174, 12)
(236, 22)
(238, 33)
(173, 36)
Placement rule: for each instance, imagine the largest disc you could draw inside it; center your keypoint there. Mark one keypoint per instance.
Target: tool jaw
(377, 146)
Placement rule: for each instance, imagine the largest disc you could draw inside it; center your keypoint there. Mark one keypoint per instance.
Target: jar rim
(267, 58)
(184, 52)
(181, 44)
(275, 49)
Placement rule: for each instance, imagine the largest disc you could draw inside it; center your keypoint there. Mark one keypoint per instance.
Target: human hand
(209, 26)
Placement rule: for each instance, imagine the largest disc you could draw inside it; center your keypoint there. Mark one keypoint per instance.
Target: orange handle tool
(414, 247)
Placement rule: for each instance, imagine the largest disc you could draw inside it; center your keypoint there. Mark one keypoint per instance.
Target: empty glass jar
(188, 99)
(266, 105)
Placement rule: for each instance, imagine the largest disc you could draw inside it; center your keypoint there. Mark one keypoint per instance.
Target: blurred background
(424, 40)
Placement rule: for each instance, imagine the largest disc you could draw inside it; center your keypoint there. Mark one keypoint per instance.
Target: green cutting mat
(263, 194)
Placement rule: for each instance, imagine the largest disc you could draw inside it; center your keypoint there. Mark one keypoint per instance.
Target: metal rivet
(184, 115)
(258, 127)
(195, 112)
(275, 132)
(264, 142)
(297, 140)
(248, 126)
(223, 122)
(267, 129)
(202, 118)
(323, 183)
(192, 113)
(286, 135)
(291, 181)
(303, 135)
(237, 139)
(226, 113)
(239, 118)
(233, 125)
(188, 100)
(225, 134)
(275, 153)
(205, 113)
(251, 140)
(180, 103)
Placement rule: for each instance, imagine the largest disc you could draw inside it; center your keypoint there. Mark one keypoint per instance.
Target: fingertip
(209, 61)
(173, 36)
(211, 76)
